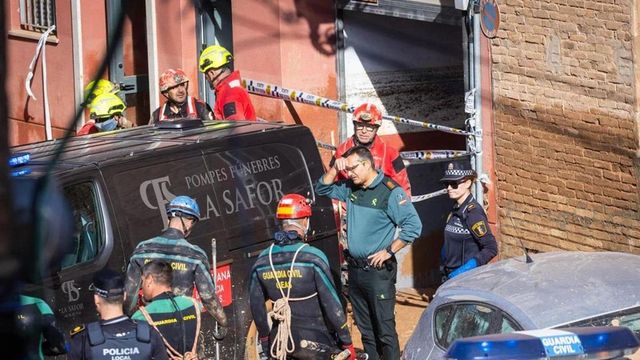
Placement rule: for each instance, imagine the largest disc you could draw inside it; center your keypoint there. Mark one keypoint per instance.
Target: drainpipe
(477, 102)
(152, 55)
(78, 63)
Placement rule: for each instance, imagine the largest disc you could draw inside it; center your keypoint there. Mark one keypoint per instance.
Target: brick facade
(566, 118)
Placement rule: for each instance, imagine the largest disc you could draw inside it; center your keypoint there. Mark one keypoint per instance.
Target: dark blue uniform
(467, 236)
(119, 338)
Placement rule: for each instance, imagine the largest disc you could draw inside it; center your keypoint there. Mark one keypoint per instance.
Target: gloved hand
(351, 349)
(264, 344)
(471, 264)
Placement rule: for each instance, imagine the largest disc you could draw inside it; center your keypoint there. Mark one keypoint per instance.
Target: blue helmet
(183, 206)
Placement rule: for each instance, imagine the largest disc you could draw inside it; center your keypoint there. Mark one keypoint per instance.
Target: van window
(87, 239)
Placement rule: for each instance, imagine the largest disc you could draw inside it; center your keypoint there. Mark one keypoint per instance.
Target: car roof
(557, 288)
(95, 149)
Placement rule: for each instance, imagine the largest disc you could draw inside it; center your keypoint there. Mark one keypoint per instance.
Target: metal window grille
(37, 15)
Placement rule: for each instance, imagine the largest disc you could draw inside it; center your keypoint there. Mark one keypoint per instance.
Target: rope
(283, 343)
(172, 353)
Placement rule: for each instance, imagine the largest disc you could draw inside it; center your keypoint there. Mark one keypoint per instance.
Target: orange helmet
(171, 78)
(367, 113)
(293, 206)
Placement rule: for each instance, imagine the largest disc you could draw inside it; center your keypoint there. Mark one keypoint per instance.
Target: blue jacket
(373, 213)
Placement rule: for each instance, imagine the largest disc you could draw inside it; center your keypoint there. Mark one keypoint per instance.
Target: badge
(76, 330)
(479, 228)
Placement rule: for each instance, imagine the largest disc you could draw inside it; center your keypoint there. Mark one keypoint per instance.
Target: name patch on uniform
(479, 228)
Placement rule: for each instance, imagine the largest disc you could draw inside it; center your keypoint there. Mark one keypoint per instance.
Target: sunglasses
(351, 168)
(368, 127)
(454, 184)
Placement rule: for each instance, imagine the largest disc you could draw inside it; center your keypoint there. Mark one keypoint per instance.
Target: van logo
(72, 291)
(161, 195)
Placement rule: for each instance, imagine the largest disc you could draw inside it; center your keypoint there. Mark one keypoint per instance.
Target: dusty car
(556, 289)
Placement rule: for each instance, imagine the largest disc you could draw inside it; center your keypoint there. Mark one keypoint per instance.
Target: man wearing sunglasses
(297, 278)
(367, 118)
(376, 207)
(232, 100)
(468, 241)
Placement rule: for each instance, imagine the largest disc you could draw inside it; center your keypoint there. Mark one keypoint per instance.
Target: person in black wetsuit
(297, 277)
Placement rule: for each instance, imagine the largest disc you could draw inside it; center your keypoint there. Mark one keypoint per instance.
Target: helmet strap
(213, 81)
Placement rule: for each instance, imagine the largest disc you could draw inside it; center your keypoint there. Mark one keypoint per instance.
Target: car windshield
(628, 317)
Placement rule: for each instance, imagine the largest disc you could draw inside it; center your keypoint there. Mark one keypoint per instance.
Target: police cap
(107, 283)
(458, 170)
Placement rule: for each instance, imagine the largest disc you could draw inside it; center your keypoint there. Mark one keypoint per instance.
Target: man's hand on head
(340, 164)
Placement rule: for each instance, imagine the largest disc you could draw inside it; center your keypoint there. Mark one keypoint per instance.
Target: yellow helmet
(102, 87)
(106, 105)
(214, 57)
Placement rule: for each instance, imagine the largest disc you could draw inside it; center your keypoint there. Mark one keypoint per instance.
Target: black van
(118, 184)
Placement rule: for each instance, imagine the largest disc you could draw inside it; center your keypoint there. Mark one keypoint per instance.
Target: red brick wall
(566, 125)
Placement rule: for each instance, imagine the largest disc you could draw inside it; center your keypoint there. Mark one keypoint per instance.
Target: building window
(37, 15)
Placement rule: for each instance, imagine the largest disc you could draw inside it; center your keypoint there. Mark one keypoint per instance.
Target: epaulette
(390, 184)
(76, 330)
(469, 207)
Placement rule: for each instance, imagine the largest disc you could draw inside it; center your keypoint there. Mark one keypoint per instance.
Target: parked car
(557, 289)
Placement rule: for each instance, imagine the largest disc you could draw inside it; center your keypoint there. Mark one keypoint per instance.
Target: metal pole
(477, 85)
(152, 55)
(214, 261)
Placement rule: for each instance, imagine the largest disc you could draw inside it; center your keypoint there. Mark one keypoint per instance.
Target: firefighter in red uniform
(174, 86)
(232, 100)
(366, 121)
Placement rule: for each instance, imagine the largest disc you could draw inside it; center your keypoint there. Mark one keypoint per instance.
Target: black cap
(107, 283)
(458, 170)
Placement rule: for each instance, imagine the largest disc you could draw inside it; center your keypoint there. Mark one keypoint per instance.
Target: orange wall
(26, 116)
(291, 44)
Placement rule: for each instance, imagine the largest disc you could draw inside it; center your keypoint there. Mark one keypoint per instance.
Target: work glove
(351, 349)
(471, 264)
(264, 344)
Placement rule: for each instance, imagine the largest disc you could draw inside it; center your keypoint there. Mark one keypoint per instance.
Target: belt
(360, 263)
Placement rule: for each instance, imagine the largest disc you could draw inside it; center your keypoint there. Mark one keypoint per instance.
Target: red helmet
(293, 206)
(171, 78)
(367, 113)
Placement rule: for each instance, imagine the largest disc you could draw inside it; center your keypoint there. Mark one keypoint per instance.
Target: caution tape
(275, 91)
(433, 154)
(418, 198)
(325, 146)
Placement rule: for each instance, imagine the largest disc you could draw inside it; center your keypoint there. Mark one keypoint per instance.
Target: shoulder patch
(76, 330)
(479, 228)
(390, 184)
(229, 109)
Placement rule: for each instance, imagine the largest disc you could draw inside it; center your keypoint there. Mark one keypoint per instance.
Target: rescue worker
(37, 326)
(232, 100)
(376, 207)
(107, 114)
(115, 335)
(102, 87)
(174, 86)
(297, 277)
(468, 241)
(366, 122)
(190, 262)
(177, 318)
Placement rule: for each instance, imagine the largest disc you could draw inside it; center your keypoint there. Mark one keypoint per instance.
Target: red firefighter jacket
(232, 100)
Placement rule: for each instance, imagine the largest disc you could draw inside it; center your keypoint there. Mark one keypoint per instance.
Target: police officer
(232, 100)
(115, 336)
(37, 326)
(177, 318)
(468, 241)
(376, 207)
(297, 277)
(190, 262)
